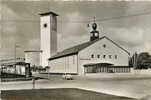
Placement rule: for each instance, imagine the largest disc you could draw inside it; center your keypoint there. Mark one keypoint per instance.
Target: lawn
(58, 94)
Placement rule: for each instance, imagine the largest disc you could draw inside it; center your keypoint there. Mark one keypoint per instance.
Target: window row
(105, 56)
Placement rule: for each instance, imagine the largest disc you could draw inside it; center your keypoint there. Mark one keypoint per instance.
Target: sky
(20, 24)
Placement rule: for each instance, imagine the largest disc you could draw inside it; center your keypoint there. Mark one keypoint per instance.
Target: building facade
(95, 56)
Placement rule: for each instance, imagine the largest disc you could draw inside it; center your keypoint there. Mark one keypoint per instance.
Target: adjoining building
(100, 54)
(19, 67)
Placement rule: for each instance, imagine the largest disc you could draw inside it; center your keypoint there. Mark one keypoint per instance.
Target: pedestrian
(33, 82)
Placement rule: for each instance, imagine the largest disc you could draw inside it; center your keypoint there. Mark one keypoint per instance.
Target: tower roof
(48, 13)
(33, 51)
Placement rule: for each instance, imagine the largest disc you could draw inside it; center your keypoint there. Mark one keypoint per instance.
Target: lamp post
(16, 46)
(47, 68)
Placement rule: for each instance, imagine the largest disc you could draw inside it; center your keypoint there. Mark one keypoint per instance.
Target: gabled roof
(118, 45)
(75, 49)
(48, 13)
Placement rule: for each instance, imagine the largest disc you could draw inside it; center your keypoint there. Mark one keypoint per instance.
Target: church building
(98, 55)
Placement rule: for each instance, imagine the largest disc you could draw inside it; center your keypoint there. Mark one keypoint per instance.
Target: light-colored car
(67, 77)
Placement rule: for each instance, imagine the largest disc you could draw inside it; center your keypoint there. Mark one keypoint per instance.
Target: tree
(140, 61)
(147, 62)
(133, 60)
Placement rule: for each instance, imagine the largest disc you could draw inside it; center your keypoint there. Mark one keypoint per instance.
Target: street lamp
(47, 68)
(16, 46)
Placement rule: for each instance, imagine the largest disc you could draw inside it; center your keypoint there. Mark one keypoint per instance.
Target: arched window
(98, 56)
(92, 56)
(110, 56)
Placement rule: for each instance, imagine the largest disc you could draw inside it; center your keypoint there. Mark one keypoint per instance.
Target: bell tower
(48, 36)
(94, 34)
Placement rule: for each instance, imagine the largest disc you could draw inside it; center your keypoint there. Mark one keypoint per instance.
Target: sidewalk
(118, 76)
(100, 75)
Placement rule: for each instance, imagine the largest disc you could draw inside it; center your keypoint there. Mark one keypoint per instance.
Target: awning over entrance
(98, 64)
(105, 68)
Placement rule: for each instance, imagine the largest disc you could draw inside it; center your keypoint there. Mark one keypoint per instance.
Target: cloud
(15, 30)
(132, 32)
(65, 43)
(73, 25)
(7, 13)
(33, 44)
(8, 28)
(132, 36)
(73, 32)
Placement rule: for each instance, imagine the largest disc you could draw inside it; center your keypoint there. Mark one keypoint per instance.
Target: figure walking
(33, 82)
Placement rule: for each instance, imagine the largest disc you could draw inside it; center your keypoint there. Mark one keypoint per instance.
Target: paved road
(112, 84)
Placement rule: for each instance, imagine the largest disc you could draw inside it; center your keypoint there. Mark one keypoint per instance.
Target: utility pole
(16, 46)
(15, 58)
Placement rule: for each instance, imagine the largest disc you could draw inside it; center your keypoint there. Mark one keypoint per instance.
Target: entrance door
(97, 68)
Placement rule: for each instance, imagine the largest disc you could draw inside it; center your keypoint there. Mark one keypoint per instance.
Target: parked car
(67, 77)
(110, 71)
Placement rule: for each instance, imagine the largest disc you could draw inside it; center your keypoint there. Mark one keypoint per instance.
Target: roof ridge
(118, 45)
(75, 49)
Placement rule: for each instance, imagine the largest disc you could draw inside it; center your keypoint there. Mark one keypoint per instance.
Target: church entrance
(97, 68)
(105, 68)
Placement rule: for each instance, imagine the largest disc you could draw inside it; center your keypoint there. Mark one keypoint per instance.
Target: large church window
(98, 56)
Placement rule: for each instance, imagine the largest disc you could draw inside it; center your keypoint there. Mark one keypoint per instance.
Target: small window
(104, 56)
(115, 56)
(92, 56)
(104, 45)
(98, 56)
(110, 56)
(45, 25)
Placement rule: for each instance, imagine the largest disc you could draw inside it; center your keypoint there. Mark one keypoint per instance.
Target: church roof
(75, 49)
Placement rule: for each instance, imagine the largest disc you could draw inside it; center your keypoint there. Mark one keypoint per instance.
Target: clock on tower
(94, 34)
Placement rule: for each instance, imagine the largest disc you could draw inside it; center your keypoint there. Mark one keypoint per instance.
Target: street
(129, 87)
